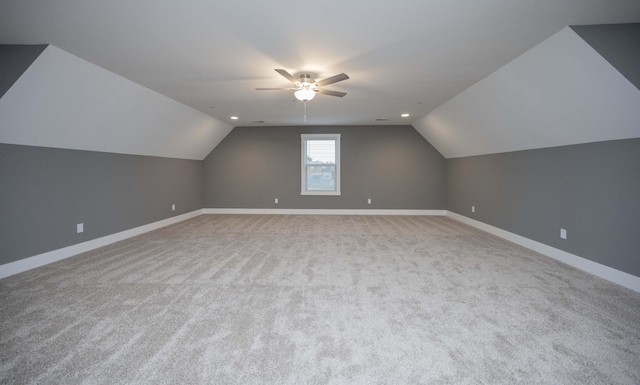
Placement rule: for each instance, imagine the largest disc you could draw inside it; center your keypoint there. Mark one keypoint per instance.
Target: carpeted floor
(265, 299)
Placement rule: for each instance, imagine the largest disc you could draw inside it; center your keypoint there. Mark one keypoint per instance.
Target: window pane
(320, 164)
(321, 178)
(321, 151)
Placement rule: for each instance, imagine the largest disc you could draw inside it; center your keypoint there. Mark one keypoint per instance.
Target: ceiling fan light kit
(305, 94)
(306, 88)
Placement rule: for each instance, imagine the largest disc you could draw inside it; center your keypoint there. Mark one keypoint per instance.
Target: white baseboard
(29, 263)
(616, 276)
(324, 212)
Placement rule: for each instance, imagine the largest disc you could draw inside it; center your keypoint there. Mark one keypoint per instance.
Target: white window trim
(303, 164)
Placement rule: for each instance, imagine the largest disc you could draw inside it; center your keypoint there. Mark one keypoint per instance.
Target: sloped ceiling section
(15, 60)
(560, 92)
(619, 44)
(63, 101)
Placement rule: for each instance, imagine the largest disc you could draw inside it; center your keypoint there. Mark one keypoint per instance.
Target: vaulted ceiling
(432, 59)
(560, 92)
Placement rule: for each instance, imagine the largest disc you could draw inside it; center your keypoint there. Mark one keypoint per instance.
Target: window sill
(329, 193)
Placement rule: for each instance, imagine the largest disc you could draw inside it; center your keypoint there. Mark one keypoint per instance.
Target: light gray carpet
(263, 299)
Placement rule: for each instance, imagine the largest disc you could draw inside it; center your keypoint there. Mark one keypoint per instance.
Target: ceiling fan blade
(333, 79)
(274, 89)
(287, 75)
(332, 93)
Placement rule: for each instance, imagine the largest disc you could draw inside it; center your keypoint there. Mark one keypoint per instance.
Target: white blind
(321, 151)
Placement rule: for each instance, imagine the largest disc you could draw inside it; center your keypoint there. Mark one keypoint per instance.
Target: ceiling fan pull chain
(305, 111)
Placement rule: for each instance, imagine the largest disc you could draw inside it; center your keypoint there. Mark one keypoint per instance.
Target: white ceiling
(402, 56)
(560, 92)
(63, 101)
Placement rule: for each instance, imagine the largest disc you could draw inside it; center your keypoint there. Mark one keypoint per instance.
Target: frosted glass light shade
(304, 94)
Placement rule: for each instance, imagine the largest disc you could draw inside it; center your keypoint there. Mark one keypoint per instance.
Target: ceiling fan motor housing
(306, 80)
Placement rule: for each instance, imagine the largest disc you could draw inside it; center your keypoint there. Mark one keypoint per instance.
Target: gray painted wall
(14, 60)
(619, 44)
(45, 192)
(592, 190)
(393, 165)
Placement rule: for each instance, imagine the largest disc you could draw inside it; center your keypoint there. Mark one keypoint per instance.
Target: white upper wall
(63, 101)
(560, 92)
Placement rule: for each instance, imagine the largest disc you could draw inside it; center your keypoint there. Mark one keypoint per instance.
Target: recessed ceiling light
(405, 115)
(234, 118)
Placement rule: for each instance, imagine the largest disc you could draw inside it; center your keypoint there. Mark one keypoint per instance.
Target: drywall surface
(14, 60)
(560, 92)
(393, 165)
(46, 192)
(63, 101)
(591, 190)
(619, 44)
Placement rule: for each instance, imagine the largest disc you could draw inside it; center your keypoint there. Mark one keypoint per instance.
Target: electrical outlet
(563, 233)
(173, 207)
(473, 209)
(276, 200)
(369, 201)
(80, 228)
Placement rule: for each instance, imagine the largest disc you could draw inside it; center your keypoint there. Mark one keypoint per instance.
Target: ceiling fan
(306, 88)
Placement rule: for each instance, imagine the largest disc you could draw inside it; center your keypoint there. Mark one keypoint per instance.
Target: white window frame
(304, 138)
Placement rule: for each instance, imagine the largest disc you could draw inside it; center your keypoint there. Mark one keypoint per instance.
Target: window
(321, 164)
